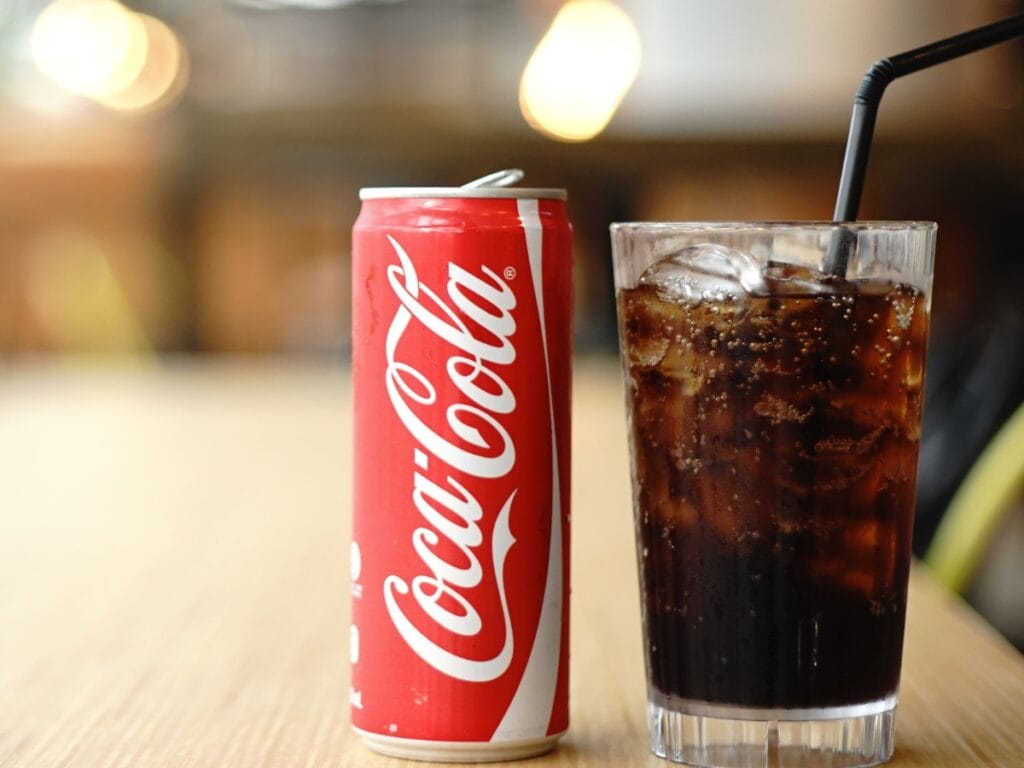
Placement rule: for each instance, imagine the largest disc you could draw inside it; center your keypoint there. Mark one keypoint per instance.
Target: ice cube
(793, 280)
(705, 272)
(647, 352)
(903, 305)
(777, 410)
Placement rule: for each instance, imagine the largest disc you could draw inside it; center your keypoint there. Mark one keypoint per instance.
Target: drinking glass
(774, 413)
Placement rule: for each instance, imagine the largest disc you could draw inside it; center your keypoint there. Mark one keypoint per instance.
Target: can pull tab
(505, 178)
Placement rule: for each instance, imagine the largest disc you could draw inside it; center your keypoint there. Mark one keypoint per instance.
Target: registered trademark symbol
(510, 273)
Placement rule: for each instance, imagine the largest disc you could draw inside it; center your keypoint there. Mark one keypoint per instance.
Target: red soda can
(461, 366)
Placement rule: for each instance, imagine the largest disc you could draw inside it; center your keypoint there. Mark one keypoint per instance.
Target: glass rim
(812, 225)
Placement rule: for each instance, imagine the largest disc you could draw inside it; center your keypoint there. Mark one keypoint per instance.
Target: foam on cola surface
(774, 446)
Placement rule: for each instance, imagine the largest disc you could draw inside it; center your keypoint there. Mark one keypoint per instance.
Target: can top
(517, 193)
(493, 185)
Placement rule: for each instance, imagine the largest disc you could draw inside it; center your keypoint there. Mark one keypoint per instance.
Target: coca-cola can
(461, 367)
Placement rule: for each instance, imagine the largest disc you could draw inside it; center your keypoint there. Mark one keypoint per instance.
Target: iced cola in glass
(774, 417)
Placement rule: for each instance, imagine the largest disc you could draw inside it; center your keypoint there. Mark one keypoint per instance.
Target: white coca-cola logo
(450, 512)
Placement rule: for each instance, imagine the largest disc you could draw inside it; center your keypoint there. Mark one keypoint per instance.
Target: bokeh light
(580, 71)
(100, 49)
(162, 78)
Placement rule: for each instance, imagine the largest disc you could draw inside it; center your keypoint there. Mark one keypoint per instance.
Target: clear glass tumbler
(774, 412)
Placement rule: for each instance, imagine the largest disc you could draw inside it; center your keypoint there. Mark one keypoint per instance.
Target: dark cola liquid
(774, 443)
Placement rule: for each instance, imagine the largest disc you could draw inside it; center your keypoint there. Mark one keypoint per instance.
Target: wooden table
(173, 583)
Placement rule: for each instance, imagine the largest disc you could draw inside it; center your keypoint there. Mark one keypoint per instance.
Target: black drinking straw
(865, 109)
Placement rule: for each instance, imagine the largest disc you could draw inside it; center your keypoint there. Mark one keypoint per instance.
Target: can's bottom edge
(457, 751)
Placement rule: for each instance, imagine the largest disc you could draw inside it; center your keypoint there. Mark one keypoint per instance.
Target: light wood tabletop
(174, 589)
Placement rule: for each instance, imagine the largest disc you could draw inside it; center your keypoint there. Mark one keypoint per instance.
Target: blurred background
(179, 178)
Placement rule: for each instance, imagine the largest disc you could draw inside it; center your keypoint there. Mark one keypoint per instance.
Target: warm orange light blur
(76, 297)
(89, 46)
(580, 70)
(100, 49)
(162, 78)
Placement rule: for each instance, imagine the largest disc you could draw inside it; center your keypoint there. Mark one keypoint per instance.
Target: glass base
(712, 736)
